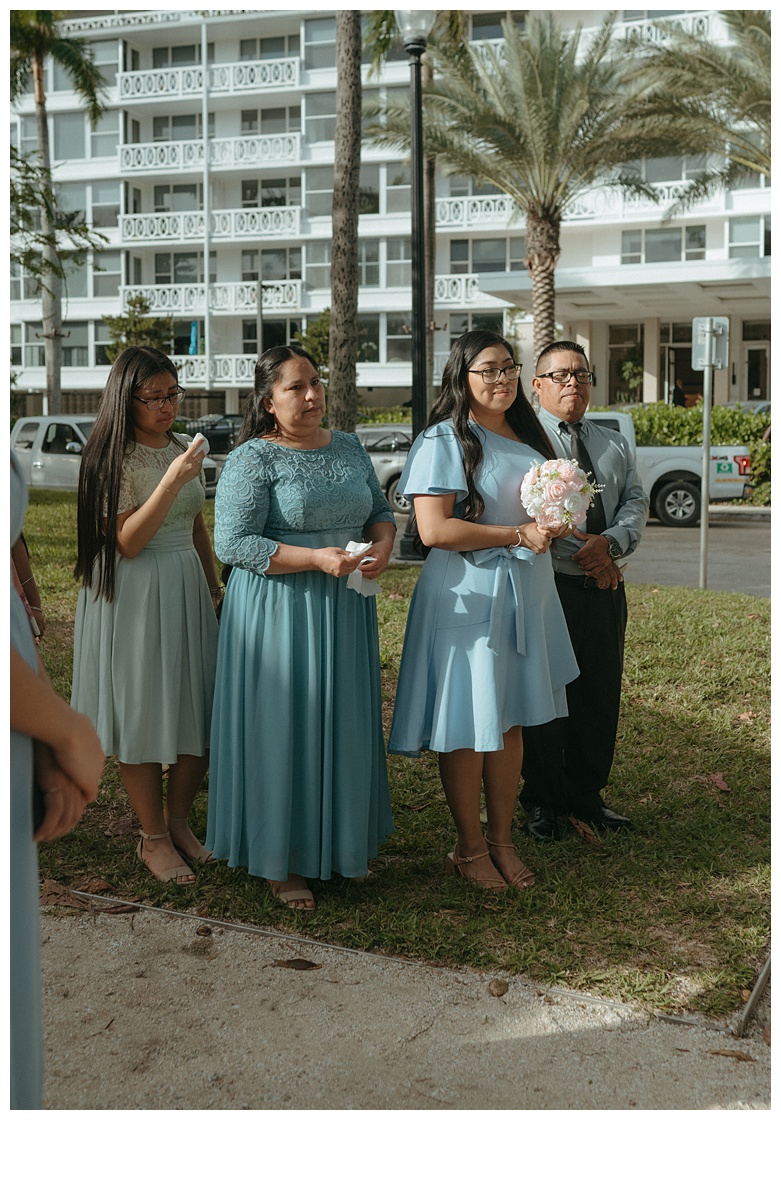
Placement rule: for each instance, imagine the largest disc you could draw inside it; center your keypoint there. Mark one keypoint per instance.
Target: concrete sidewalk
(151, 1010)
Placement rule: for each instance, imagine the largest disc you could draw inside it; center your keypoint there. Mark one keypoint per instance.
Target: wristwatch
(614, 550)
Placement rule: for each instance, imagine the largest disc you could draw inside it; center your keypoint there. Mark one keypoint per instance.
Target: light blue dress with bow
(486, 646)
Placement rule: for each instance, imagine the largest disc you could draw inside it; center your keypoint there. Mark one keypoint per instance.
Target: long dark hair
(453, 402)
(113, 434)
(258, 421)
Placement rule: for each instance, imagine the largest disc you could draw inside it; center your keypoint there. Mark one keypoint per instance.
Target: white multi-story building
(206, 178)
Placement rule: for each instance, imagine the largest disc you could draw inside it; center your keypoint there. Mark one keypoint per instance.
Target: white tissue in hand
(200, 443)
(356, 581)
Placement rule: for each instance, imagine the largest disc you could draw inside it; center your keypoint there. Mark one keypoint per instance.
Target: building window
(318, 264)
(280, 332)
(106, 273)
(69, 140)
(369, 189)
(283, 263)
(28, 137)
(105, 56)
(253, 49)
(626, 354)
(398, 269)
(75, 344)
(756, 331)
(76, 280)
(181, 56)
(16, 345)
(459, 323)
(397, 187)
(464, 185)
(320, 43)
(184, 266)
(674, 168)
(749, 237)
(72, 203)
(319, 191)
(663, 245)
(103, 338)
(369, 262)
(398, 340)
(320, 116)
(186, 127)
(104, 138)
(486, 254)
(178, 197)
(249, 337)
(34, 353)
(368, 337)
(105, 205)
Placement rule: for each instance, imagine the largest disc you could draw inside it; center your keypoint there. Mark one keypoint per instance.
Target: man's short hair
(554, 348)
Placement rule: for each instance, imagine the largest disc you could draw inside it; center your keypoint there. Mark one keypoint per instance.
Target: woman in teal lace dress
(145, 640)
(298, 786)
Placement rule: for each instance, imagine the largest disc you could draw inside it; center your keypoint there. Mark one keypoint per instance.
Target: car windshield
(85, 427)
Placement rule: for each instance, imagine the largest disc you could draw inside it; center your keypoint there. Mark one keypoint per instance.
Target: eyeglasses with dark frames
(173, 398)
(494, 374)
(565, 376)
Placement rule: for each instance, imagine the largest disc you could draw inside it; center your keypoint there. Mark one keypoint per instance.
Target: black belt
(581, 581)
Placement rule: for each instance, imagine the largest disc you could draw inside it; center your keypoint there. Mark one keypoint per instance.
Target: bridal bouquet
(557, 492)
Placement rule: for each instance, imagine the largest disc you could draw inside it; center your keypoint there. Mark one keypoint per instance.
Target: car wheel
(398, 503)
(678, 503)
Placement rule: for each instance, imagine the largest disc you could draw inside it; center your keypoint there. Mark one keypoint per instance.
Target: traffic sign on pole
(719, 348)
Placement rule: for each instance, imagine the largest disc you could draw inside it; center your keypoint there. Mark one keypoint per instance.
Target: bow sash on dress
(508, 572)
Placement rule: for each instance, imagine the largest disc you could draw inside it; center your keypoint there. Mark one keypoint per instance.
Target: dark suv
(220, 430)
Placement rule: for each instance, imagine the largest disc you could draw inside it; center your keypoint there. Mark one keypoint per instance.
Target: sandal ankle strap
(500, 845)
(153, 837)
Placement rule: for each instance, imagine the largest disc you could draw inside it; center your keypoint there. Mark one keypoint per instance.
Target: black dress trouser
(567, 762)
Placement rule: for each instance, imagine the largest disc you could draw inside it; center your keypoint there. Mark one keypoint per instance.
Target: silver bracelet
(519, 542)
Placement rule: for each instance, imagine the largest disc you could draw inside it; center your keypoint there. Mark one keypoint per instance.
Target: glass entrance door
(756, 370)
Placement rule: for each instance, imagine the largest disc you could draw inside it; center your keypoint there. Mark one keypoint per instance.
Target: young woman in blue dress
(145, 638)
(486, 650)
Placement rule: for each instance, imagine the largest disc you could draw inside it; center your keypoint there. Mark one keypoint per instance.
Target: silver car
(388, 447)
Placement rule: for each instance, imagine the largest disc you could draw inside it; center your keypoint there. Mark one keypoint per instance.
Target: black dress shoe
(605, 818)
(542, 824)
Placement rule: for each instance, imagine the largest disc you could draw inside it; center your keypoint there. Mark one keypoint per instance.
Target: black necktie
(596, 521)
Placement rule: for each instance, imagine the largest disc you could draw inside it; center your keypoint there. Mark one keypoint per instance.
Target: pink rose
(555, 491)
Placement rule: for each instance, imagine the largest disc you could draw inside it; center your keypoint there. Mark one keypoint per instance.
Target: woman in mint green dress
(145, 638)
(486, 650)
(298, 786)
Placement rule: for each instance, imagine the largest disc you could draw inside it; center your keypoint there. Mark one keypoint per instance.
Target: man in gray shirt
(567, 762)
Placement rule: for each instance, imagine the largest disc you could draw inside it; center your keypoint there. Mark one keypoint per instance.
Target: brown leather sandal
(524, 878)
(454, 864)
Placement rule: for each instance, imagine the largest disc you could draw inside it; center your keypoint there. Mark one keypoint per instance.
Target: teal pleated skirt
(297, 780)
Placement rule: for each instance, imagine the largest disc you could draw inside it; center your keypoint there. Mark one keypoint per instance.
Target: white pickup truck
(49, 450)
(671, 475)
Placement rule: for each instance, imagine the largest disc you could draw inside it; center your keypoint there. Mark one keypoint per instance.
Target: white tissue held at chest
(201, 444)
(355, 581)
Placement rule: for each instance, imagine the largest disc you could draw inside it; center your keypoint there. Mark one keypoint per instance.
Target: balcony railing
(223, 79)
(184, 299)
(227, 370)
(610, 203)
(253, 150)
(464, 212)
(230, 224)
(457, 289)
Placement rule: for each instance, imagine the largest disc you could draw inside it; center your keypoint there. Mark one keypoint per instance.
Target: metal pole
(207, 333)
(707, 400)
(419, 389)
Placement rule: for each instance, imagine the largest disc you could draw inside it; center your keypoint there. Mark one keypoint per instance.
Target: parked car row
(50, 448)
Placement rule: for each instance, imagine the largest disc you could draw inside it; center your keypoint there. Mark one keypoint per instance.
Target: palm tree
(541, 119)
(343, 339)
(708, 95)
(34, 37)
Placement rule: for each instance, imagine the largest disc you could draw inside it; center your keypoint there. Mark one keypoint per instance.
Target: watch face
(614, 548)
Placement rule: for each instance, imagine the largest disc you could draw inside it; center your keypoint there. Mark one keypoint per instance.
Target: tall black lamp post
(414, 27)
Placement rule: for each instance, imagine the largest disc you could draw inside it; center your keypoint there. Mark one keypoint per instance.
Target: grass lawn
(674, 916)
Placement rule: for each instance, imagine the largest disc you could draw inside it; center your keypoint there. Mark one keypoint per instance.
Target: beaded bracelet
(216, 591)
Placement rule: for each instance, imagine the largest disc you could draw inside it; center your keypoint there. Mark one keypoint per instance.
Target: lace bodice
(269, 493)
(143, 468)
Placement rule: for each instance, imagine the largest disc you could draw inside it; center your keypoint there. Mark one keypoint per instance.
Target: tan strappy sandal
(202, 856)
(524, 878)
(171, 874)
(290, 895)
(454, 866)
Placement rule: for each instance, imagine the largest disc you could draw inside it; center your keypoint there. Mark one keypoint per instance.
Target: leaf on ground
(95, 886)
(394, 596)
(204, 931)
(498, 987)
(54, 893)
(745, 994)
(583, 830)
(718, 781)
(124, 827)
(766, 1034)
(643, 799)
(747, 716)
(296, 964)
(117, 910)
(738, 1055)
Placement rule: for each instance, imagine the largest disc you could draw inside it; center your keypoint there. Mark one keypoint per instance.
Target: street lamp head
(414, 26)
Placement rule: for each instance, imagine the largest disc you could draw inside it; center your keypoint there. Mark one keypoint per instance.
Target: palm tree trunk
(542, 254)
(51, 283)
(343, 338)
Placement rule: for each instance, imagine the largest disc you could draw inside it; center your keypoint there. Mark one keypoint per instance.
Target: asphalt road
(738, 553)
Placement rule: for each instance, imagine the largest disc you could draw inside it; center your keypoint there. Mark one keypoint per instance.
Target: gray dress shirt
(625, 501)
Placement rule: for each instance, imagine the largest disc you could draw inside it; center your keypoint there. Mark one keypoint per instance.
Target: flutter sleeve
(435, 465)
(240, 511)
